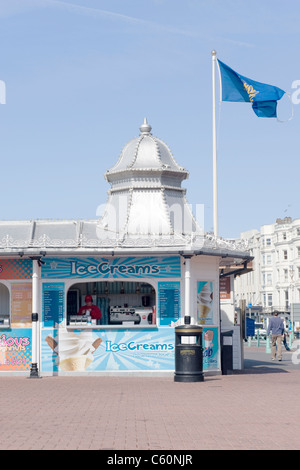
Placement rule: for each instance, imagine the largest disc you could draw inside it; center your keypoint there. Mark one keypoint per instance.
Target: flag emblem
(236, 87)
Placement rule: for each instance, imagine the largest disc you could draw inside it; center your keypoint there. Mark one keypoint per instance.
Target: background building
(274, 283)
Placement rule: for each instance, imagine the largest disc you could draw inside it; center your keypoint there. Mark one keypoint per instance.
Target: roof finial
(145, 127)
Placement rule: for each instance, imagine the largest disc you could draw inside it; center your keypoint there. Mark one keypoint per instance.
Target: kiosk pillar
(34, 372)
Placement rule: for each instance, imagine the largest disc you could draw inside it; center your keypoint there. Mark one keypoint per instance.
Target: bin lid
(188, 329)
(227, 333)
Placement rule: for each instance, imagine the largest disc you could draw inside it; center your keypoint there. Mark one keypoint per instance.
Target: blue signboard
(107, 350)
(250, 327)
(168, 302)
(53, 303)
(112, 267)
(118, 350)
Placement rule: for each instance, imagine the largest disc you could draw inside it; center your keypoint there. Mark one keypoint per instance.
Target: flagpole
(214, 135)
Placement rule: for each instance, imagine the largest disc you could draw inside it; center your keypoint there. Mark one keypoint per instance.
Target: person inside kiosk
(113, 303)
(89, 309)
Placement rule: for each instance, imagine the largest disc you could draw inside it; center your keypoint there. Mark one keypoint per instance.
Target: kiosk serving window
(4, 306)
(120, 303)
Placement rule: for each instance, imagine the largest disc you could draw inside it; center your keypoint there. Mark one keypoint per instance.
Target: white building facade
(274, 283)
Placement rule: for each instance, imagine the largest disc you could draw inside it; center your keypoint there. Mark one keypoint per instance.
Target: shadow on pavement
(257, 361)
(252, 366)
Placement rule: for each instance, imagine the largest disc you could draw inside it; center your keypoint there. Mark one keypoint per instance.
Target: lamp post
(291, 271)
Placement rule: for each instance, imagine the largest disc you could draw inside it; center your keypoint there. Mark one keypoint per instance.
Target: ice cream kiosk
(144, 265)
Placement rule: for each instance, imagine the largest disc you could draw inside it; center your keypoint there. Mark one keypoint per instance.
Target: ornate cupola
(146, 198)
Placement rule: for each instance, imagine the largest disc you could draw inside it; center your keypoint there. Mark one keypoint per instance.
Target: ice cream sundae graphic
(74, 351)
(204, 303)
(208, 343)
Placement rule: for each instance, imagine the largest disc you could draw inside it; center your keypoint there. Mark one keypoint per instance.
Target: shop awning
(82, 238)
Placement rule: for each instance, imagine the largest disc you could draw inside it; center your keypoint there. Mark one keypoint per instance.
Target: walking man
(277, 328)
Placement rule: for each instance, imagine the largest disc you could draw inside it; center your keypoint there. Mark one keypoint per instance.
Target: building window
(299, 272)
(284, 235)
(270, 300)
(286, 274)
(298, 231)
(268, 241)
(298, 250)
(285, 254)
(269, 259)
(286, 299)
(269, 278)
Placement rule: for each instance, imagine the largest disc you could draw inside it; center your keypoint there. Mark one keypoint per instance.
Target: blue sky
(81, 76)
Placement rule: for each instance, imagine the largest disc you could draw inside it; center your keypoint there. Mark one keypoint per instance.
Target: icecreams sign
(110, 269)
(123, 267)
(132, 346)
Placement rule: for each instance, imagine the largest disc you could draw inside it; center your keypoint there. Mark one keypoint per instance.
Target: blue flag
(263, 97)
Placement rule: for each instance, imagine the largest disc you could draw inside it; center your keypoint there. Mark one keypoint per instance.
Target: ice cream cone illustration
(73, 363)
(97, 343)
(204, 303)
(203, 313)
(51, 342)
(75, 352)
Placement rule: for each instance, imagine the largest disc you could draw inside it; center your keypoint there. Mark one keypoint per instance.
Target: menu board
(53, 303)
(225, 289)
(21, 304)
(169, 302)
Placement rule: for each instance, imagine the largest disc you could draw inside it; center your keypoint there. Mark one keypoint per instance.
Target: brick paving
(253, 409)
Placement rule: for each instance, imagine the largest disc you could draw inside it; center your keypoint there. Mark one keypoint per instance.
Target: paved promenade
(254, 409)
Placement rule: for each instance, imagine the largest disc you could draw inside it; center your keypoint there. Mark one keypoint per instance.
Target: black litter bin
(226, 352)
(188, 354)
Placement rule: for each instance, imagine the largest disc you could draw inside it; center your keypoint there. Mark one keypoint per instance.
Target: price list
(53, 303)
(169, 302)
(21, 308)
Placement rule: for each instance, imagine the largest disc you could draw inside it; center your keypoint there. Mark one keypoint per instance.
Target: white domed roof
(146, 199)
(146, 152)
